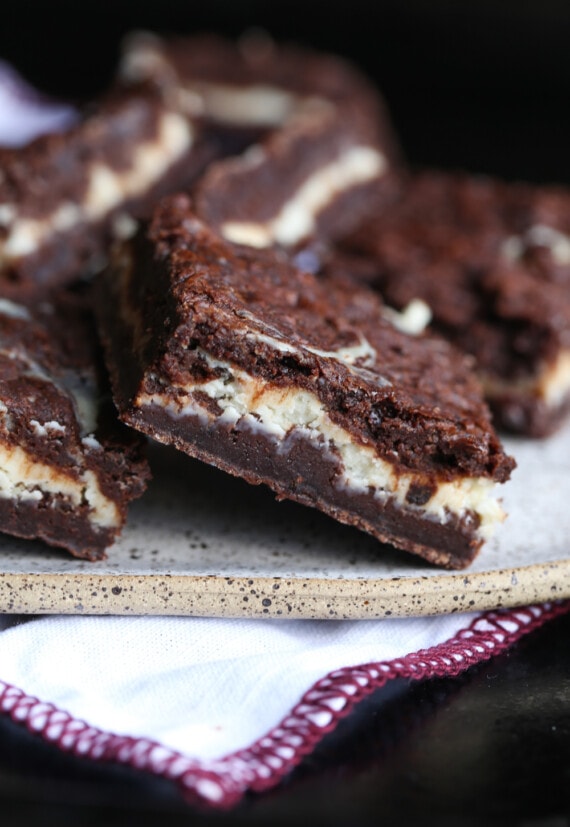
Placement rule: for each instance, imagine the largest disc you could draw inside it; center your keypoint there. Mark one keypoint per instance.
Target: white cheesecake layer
(261, 105)
(551, 386)
(107, 189)
(539, 235)
(13, 310)
(297, 218)
(280, 413)
(363, 352)
(412, 319)
(23, 477)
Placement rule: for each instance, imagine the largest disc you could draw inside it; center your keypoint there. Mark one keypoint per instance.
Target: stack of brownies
(276, 294)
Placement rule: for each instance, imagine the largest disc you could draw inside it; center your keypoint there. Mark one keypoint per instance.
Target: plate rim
(215, 595)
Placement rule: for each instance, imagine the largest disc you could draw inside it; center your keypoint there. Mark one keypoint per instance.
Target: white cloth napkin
(221, 706)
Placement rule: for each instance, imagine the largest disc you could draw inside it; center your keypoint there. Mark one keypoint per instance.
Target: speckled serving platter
(202, 543)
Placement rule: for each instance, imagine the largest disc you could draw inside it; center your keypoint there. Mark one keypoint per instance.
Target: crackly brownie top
(249, 61)
(491, 259)
(317, 129)
(254, 81)
(54, 169)
(413, 397)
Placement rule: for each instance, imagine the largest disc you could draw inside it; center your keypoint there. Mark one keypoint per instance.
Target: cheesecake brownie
(238, 358)
(68, 468)
(319, 135)
(63, 195)
(492, 261)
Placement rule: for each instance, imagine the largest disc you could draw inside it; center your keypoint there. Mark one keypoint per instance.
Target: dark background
(482, 85)
(479, 85)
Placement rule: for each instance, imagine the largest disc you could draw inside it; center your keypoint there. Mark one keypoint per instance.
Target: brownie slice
(68, 468)
(492, 261)
(240, 359)
(317, 133)
(64, 195)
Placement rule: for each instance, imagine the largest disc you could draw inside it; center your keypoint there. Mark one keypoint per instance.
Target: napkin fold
(224, 706)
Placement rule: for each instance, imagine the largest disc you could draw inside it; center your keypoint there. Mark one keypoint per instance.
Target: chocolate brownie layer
(63, 195)
(68, 469)
(236, 357)
(492, 261)
(323, 133)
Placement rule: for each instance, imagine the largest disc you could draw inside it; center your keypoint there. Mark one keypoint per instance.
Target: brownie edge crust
(239, 359)
(68, 468)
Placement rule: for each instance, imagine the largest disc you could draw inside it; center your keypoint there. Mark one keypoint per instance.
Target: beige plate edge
(284, 597)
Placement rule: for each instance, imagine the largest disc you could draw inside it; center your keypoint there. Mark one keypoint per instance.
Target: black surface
(489, 747)
(479, 85)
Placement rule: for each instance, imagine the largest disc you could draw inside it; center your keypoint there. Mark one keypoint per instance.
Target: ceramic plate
(202, 543)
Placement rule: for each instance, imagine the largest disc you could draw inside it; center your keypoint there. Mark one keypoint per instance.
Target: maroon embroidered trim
(222, 783)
